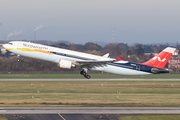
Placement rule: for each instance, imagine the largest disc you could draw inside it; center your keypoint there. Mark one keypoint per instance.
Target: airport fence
(174, 72)
(46, 72)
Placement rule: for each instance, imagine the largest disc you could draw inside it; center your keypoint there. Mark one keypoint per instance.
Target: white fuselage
(54, 54)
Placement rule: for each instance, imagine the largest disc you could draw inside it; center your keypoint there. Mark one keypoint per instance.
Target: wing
(96, 63)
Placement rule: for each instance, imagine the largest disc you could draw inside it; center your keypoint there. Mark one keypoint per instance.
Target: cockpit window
(10, 43)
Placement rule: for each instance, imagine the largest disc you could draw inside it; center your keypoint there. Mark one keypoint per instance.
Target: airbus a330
(68, 59)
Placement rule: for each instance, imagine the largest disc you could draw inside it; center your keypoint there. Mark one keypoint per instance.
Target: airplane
(68, 59)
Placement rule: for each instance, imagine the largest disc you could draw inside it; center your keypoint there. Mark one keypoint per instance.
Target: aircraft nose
(5, 46)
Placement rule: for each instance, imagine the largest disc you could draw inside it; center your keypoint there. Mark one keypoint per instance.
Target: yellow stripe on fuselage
(33, 50)
(10, 49)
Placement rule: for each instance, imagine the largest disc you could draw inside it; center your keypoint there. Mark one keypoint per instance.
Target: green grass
(3, 118)
(150, 117)
(90, 93)
(78, 76)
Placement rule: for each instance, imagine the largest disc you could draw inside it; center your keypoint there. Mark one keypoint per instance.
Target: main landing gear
(84, 73)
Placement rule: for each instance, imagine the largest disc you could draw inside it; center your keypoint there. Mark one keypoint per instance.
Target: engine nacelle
(65, 64)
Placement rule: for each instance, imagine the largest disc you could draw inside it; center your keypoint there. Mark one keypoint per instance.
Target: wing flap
(96, 63)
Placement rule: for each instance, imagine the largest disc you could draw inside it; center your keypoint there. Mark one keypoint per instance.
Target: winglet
(106, 55)
(120, 58)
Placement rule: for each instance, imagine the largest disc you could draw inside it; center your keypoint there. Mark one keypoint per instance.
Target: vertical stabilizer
(160, 59)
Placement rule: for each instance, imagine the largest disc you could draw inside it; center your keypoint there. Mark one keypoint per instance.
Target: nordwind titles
(32, 46)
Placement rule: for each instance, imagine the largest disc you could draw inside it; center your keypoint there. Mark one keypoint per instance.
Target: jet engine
(65, 64)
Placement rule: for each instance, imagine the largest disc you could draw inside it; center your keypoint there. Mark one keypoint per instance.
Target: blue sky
(80, 21)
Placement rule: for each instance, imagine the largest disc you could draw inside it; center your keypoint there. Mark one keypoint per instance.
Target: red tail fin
(160, 59)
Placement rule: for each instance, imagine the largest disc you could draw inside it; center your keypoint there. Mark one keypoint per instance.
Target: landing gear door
(138, 67)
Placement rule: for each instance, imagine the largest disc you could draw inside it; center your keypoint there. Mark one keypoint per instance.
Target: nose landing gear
(18, 58)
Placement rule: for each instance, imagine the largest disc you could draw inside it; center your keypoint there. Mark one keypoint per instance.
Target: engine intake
(65, 64)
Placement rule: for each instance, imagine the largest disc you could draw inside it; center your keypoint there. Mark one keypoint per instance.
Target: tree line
(134, 53)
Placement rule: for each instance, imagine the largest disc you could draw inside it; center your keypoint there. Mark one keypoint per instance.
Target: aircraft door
(19, 45)
(138, 67)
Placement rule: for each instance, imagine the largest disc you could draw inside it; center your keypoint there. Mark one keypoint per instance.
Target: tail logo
(159, 59)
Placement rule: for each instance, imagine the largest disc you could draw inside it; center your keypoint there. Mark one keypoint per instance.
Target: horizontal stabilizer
(155, 71)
